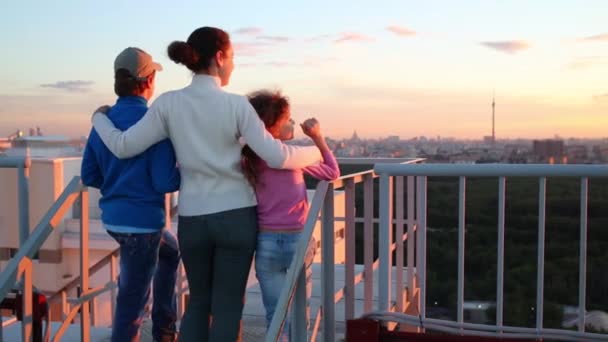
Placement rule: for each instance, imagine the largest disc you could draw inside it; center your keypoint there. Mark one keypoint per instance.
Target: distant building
(7, 143)
(549, 151)
(577, 153)
(601, 152)
(43, 147)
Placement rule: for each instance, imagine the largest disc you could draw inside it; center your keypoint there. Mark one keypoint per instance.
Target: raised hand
(312, 128)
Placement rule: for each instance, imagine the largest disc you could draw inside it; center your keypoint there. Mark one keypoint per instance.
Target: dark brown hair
(127, 85)
(202, 45)
(270, 106)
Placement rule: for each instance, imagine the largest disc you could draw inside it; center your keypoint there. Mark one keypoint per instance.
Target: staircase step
(98, 334)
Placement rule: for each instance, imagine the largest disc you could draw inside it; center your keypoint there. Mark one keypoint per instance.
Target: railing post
(93, 306)
(368, 241)
(299, 323)
(181, 295)
(349, 236)
(500, 254)
(461, 243)
(23, 172)
(385, 230)
(582, 268)
(411, 191)
(399, 208)
(540, 271)
(327, 266)
(114, 279)
(27, 321)
(85, 323)
(65, 310)
(168, 206)
(421, 243)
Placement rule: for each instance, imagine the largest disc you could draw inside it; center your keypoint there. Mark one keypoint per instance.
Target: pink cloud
(267, 64)
(262, 43)
(352, 37)
(274, 39)
(251, 31)
(305, 63)
(248, 49)
(401, 31)
(507, 46)
(71, 86)
(603, 37)
(319, 38)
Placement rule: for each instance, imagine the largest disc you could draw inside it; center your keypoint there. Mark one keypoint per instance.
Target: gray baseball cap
(139, 63)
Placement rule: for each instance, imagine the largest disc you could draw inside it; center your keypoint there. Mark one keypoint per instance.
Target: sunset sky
(405, 68)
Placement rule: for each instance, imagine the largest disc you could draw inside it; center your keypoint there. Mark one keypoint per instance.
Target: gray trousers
(217, 250)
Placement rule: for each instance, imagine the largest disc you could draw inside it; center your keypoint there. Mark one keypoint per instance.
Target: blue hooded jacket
(133, 190)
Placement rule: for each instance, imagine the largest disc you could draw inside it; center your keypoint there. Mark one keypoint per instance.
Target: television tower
(493, 119)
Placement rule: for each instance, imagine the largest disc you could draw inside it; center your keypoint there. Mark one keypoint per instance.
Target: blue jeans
(273, 257)
(144, 257)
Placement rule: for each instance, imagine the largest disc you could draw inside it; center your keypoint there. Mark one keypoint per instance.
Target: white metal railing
(61, 296)
(322, 207)
(20, 266)
(23, 165)
(109, 263)
(501, 171)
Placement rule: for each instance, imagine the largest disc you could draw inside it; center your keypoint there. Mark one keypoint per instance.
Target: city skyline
(405, 68)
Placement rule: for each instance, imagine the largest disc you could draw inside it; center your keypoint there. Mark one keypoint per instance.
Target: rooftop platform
(253, 314)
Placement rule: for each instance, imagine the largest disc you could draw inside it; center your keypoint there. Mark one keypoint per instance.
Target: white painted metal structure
(501, 172)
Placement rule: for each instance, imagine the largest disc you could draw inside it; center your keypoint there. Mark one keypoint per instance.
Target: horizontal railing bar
(92, 293)
(374, 220)
(493, 170)
(491, 330)
(358, 177)
(9, 322)
(93, 270)
(518, 335)
(15, 162)
(364, 161)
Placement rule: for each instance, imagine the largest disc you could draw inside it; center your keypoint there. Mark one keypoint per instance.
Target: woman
(217, 228)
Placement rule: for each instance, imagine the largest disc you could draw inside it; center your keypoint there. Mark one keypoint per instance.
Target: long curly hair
(270, 106)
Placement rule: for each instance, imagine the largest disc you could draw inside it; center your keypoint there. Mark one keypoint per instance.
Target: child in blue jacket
(133, 205)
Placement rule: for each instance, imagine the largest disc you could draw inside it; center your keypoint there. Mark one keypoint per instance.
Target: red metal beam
(365, 330)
